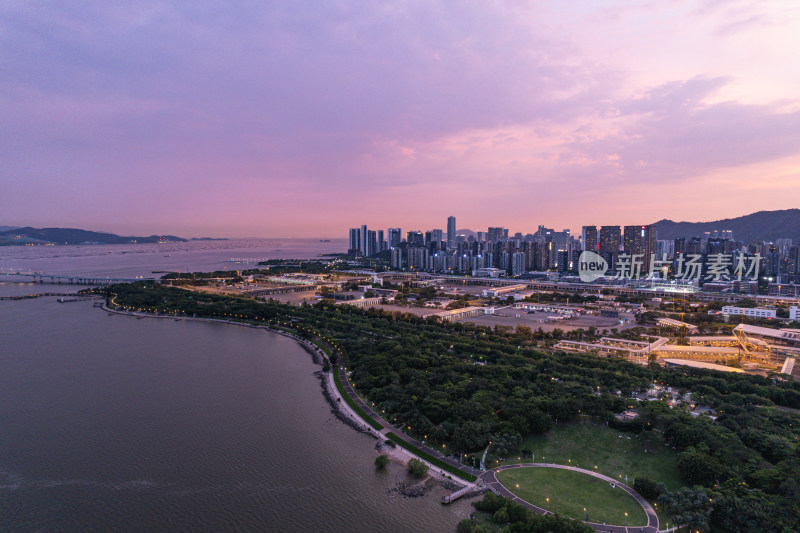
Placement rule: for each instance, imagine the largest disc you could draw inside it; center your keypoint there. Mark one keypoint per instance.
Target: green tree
(381, 461)
(417, 468)
(646, 487)
(688, 506)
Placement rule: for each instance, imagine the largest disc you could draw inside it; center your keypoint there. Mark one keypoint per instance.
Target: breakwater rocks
(315, 355)
(336, 406)
(410, 490)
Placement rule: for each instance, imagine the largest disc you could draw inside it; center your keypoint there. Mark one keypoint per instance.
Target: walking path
(490, 477)
(398, 430)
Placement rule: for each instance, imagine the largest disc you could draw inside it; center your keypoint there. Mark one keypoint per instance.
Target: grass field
(572, 492)
(609, 450)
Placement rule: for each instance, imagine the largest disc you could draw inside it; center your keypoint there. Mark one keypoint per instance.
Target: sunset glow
(304, 119)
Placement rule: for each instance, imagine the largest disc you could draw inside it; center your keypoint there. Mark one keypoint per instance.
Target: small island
(52, 236)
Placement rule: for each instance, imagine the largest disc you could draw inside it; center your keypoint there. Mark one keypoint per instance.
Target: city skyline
(280, 120)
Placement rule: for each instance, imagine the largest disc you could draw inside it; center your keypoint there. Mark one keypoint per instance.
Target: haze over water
(109, 423)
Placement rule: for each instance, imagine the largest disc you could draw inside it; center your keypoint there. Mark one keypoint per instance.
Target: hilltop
(28, 235)
(760, 226)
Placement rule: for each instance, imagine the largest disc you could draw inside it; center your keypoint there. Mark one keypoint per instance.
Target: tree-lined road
(489, 477)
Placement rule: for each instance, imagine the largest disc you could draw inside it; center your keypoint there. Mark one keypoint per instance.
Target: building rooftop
(700, 364)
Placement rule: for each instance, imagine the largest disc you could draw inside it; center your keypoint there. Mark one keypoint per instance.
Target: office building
(364, 237)
(451, 232)
(754, 312)
(561, 239)
(436, 238)
(640, 240)
(415, 239)
(371, 244)
(609, 244)
(517, 264)
(355, 241)
(418, 258)
(589, 238)
(395, 236)
(381, 242)
(494, 234)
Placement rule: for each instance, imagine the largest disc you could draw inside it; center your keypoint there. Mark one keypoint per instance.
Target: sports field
(570, 493)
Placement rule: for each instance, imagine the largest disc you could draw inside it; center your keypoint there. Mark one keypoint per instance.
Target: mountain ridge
(29, 235)
(755, 227)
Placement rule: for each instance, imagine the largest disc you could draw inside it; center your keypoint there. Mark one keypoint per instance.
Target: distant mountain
(6, 228)
(466, 232)
(761, 226)
(22, 236)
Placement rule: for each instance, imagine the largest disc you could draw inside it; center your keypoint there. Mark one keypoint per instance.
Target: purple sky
(306, 118)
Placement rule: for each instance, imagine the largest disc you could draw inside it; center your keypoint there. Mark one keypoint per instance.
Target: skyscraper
(394, 237)
(415, 238)
(517, 264)
(364, 237)
(494, 234)
(372, 243)
(381, 242)
(436, 236)
(640, 240)
(560, 239)
(609, 244)
(589, 238)
(396, 258)
(451, 232)
(355, 241)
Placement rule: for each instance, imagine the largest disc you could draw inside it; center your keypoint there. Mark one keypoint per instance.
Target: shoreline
(340, 409)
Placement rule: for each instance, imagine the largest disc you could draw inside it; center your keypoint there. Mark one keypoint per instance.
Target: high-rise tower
(451, 232)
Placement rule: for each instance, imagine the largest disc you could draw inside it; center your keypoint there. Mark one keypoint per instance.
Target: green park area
(569, 493)
(605, 450)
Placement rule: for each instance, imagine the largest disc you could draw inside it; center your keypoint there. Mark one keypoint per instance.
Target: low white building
(757, 312)
(488, 272)
(794, 313)
(508, 290)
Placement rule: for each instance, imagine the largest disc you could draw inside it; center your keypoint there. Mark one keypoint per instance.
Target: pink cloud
(525, 114)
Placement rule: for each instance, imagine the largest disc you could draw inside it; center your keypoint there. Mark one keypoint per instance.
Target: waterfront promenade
(487, 478)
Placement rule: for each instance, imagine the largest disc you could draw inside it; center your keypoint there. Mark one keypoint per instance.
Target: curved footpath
(490, 477)
(398, 431)
(487, 478)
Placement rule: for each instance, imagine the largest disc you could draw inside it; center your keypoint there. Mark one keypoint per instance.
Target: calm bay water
(110, 423)
(130, 260)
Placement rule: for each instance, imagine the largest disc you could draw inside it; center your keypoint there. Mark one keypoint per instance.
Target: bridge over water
(69, 279)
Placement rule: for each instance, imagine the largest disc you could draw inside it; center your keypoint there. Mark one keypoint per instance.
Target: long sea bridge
(70, 279)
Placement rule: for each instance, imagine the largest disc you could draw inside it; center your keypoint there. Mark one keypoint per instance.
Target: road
(489, 476)
(397, 430)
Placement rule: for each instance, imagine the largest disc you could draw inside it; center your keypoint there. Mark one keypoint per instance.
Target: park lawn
(609, 450)
(571, 492)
